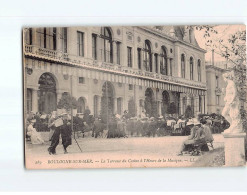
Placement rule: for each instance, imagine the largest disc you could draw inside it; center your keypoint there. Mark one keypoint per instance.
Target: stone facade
(215, 89)
(133, 63)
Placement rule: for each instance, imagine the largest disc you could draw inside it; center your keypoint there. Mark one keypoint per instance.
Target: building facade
(153, 67)
(215, 88)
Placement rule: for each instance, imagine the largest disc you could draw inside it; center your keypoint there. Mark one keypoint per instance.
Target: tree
(233, 49)
(188, 112)
(132, 107)
(66, 102)
(172, 109)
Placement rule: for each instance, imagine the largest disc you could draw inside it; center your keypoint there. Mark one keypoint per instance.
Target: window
(217, 81)
(182, 66)
(139, 58)
(156, 62)
(217, 100)
(107, 45)
(118, 52)
(191, 68)
(163, 61)
(200, 103)
(64, 40)
(29, 100)
(81, 80)
(147, 61)
(47, 38)
(94, 46)
(199, 70)
(80, 43)
(29, 36)
(54, 36)
(130, 87)
(129, 56)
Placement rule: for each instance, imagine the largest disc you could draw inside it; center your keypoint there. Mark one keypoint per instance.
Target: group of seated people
(198, 139)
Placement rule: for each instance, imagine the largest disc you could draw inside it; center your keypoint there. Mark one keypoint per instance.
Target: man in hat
(66, 132)
(196, 136)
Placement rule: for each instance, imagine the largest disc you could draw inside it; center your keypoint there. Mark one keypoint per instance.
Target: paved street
(135, 148)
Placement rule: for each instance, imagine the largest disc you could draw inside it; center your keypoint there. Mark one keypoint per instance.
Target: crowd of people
(115, 126)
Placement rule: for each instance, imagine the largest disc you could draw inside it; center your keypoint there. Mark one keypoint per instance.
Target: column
(115, 105)
(35, 100)
(158, 64)
(206, 104)
(203, 104)
(188, 100)
(168, 66)
(114, 47)
(99, 104)
(59, 95)
(89, 43)
(197, 104)
(181, 105)
(99, 49)
(58, 39)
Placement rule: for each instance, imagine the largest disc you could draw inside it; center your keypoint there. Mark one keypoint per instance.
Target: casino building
(153, 67)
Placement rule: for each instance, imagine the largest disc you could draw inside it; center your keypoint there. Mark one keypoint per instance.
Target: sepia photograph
(134, 96)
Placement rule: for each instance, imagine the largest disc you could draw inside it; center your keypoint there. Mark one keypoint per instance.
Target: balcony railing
(60, 56)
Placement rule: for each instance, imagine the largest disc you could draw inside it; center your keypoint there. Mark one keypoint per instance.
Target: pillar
(168, 66)
(35, 100)
(181, 105)
(58, 39)
(115, 105)
(234, 149)
(59, 95)
(99, 49)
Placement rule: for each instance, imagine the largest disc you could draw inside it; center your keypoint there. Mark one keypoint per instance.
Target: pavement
(115, 153)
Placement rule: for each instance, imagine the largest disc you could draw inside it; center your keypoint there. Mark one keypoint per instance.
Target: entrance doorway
(47, 94)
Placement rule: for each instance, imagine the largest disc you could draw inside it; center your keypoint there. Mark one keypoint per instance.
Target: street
(112, 152)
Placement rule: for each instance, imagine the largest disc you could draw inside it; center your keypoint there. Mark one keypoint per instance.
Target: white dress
(35, 136)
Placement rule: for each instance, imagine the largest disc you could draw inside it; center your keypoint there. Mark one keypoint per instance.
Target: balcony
(108, 67)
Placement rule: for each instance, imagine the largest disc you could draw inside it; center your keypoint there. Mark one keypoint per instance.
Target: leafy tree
(188, 112)
(132, 107)
(172, 109)
(66, 102)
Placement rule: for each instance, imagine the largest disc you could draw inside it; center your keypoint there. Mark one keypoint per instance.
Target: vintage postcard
(134, 96)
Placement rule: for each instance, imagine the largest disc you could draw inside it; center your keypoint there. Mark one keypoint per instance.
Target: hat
(33, 120)
(63, 114)
(197, 123)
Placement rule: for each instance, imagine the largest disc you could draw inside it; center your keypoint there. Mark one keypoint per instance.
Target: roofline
(174, 40)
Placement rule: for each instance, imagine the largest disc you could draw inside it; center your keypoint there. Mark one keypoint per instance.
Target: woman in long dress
(35, 136)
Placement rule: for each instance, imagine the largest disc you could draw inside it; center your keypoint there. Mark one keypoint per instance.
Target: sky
(224, 31)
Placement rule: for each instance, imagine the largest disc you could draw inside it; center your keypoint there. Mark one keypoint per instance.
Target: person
(64, 130)
(50, 124)
(98, 127)
(152, 127)
(34, 135)
(197, 136)
(208, 134)
(66, 133)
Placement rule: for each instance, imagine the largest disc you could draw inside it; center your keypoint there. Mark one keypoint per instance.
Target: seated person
(196, 136)
(208, 134)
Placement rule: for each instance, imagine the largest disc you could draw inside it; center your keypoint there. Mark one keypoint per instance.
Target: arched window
(199, 70)
(163, 62)
(81, 105)
(147, 61)
(191, 68)
(107, 45)
(182, 66)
